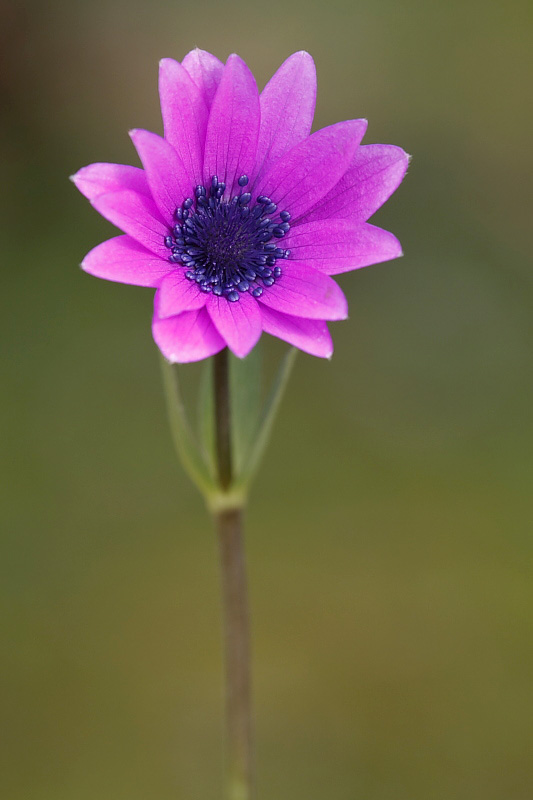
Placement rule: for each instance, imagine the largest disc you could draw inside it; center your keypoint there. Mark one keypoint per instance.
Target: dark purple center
(228, 246)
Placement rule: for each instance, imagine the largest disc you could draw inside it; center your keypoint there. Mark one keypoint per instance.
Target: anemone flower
(241, 215)
(238, 219)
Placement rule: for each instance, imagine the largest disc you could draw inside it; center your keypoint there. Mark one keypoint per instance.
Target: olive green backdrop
(389, 532)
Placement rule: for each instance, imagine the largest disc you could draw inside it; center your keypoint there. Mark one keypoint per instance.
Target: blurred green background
(389, 533)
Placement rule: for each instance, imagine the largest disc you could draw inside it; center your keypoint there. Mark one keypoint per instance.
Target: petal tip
(77, 177)
(238, 353)
(403, 157)
(356, 127)
(196, 50)
(327, 355)
(171, 358)
(235, 59)
(169, 68)
(303, 55)
(343, 310)
(244, 346)
(242, 352)
(85, 267)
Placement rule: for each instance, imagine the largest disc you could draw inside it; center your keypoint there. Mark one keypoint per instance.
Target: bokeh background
(389, 533)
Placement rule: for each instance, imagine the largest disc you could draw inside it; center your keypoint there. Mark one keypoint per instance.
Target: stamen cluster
(228, 246)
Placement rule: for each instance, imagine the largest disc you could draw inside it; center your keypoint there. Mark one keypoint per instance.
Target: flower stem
(222, 418)
(234, 601)
(237, 655)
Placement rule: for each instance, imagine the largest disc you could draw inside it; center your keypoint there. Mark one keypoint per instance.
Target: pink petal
(167, 177)
(101, 178)
(375, 173)
(190, 336)
(206, 71)
(185, 116)
(233, 127)
(177, 294)
(238, 323)
(122, 259)
(304, 292)
(306, 173)
(339, 245)
(310, 335)
(287, 109)
(136, 215)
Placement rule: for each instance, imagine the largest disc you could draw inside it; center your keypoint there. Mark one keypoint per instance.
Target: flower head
(241, 215)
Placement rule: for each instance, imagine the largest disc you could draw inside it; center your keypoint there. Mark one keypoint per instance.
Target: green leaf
(187, 448)
(245, 393)
(264, 429)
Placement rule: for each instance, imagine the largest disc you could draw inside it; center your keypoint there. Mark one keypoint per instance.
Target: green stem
(223, 418)
(183, 438)
(228, 523)
(267, 421)
(237, 655)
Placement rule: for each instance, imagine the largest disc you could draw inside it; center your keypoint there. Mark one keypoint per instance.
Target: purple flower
(240, 215)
